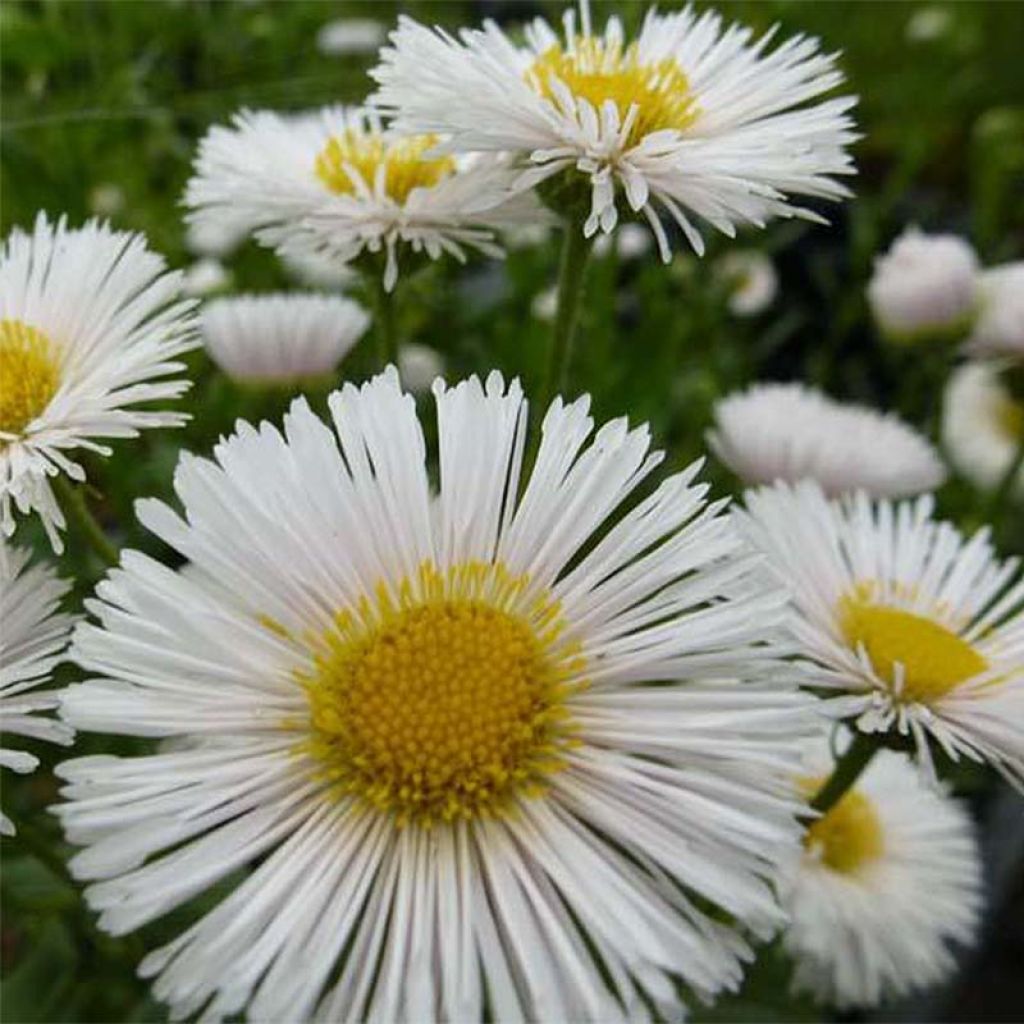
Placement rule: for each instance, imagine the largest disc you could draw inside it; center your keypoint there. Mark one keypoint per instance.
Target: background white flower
(418, 366)
(204, 277)
(691, 119)
(33, 637)
(791, 432)
(90, 327)
(999, 330)
(752, 281)
(344, 36)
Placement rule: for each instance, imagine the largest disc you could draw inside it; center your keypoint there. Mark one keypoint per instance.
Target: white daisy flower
(791, 432)
(315, 270)
(216, 239)
(544, 305)
(283, 339)
(337, 184)
(418, 366)
(905, 625)
(345, 36)
(982, 426)
(925, 286)
(751, 279)
(478, 750)
(90, 326)
(690, 119)
(889, 881)
(204, 277)
(999, 330)
(32, 641)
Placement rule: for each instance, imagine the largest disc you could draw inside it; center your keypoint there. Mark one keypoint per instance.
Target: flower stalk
(847, 770)
(76, 509)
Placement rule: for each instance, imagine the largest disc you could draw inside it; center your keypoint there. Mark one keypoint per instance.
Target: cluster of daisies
(488, 717)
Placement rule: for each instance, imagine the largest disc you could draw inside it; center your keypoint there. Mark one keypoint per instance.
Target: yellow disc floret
(29, 374)
(600, 70)
(934, 659)
(447, 700)
(352, 156)
(849, 835)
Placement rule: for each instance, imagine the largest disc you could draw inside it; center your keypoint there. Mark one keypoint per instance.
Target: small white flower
(281, 339)
(751, 279)
(337, 184)
(527, 236)
(317, 271)
(791, 432)
(999, 330)
(90, 326)
(890, 880)
(470, 751)
(214, 238)
(418, 366)
(924, 286)
(350, 35)
(32, 641)
(910, 627)
(690, 119)
(545, 305)
(927, 24)
(982, 426)
(204, 277)
(633, 241)
(106, 199)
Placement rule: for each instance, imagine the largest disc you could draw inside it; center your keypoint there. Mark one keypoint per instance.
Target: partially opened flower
(90, 326)
(336, 183)
(999, 330)
(983, 426)
(282, 339)
(33, 638)
(904, 625)
(889, 886)
(791, 432)
(690, 119)
(478, 751)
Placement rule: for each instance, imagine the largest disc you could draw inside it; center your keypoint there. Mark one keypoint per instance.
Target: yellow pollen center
(29, 374)
(447, 701)
(849, 835)
(599, 71)
(1009, 416)
(352, 156)
(935, 660)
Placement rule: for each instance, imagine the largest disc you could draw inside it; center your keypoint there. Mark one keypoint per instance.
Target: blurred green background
(102, 106)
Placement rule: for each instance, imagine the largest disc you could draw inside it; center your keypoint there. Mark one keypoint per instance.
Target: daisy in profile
(90, 326)
(32, 640)
(983, 426)
(281, 339)
(336, 183)
(791, 432)
(906, 626)
(691, 119)
(890, 881)
(487, 760)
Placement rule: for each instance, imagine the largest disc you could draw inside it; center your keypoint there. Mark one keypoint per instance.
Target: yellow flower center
(29, 374)
(935, 660)
(352, 156)
(447, 701)
(849, 835)
(598, 71)
(1009, 417)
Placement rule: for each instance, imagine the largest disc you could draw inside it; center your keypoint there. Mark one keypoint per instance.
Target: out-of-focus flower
(928, 23)
(419, 366)
(751, 279)
(545, 304)
(317, 271)
(982, 426)
(90, 326)
(106, 199)
(281, 339)
(791, 432)
(925, 288)
(350, 35)
(890, 880)
(999, 330)
(527, 236)
(213, 238)
(690, 120)
(205, 276)
(631, 242)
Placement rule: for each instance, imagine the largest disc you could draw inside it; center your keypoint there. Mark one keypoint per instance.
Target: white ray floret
(90, 326)
(692, 119)
(468, 744)
(337, 184)
(33, 638)
(904, 624)
(791, 432)
(888, 891)
(281, 338)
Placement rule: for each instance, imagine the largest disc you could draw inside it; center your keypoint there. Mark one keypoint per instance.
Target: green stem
(1005, 486)
(385, 321)
(572, 268)
(846, 772)
(37, 845)
(72, 501)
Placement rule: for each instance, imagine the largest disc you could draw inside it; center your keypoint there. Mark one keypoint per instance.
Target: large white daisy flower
(982, 426)
(32, 640)
(285, 338)
(791, 432)
(335, 183)
(889, 881)
(906, 625)
(478, 750)
(89, 328)
(689, 119)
